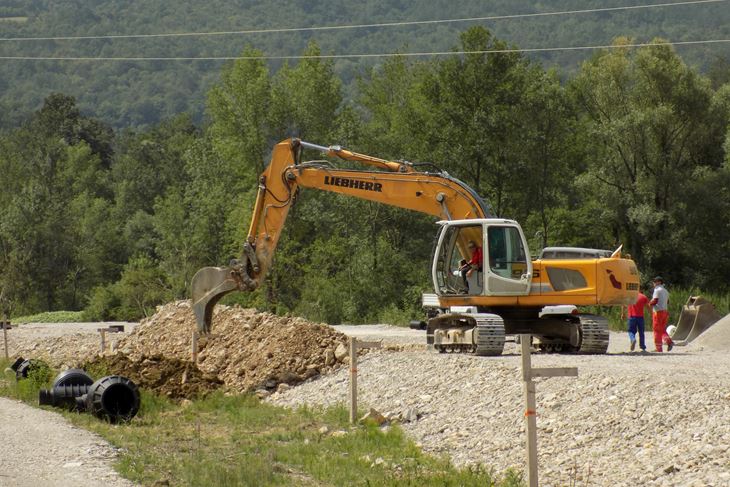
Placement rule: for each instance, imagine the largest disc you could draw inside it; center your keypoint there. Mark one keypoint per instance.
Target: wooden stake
(528, 373)
(5, 337)
(354, 346)
(195, 346)
(530, 411)
(353, 380)
(102, 333)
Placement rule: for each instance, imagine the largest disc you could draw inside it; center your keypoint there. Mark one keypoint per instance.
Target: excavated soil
(174, 378)
(247, 350)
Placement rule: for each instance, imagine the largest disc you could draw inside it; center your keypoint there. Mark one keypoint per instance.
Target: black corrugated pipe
(113, 398)
(67, 386)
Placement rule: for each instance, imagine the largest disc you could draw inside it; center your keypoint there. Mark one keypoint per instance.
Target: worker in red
(636, 321)
(660, 317)
(467, 268)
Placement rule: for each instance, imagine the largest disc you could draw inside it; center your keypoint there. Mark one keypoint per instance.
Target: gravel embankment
(628, 419)
(63, 345)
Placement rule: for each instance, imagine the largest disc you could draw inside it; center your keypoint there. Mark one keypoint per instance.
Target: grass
(51, 317)
(238, 440)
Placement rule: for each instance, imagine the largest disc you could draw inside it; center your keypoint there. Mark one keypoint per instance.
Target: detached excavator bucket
(697, 316)
(209, 285)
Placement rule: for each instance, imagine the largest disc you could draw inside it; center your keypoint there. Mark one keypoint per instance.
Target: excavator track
(490, 336)
(594, 334)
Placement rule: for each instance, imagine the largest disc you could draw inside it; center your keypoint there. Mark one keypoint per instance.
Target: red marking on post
(354, 371)
(530, 412)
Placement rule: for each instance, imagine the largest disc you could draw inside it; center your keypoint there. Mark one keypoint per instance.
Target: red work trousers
(659, 324)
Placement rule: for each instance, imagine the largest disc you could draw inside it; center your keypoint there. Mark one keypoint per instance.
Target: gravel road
(629, 418)
(40, 448)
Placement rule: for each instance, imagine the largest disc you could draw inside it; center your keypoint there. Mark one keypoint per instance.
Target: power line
(360, 26)
(354, 56)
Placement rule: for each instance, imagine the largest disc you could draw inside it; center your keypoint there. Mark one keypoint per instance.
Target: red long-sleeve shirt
(636, 310)
(476, 257)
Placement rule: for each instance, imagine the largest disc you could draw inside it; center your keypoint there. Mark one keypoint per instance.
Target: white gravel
(40, 448)
(629, 418)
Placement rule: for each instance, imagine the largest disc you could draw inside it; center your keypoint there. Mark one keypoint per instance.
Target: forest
(631, 148)
(143, 93)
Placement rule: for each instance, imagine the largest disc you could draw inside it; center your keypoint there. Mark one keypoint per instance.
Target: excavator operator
(467, 268)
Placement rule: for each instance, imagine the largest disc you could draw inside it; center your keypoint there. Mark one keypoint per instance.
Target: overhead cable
(360, 26)
(354, 56)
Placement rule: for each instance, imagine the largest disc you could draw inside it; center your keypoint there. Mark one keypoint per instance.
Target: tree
(56, 187)
(240, 111)
(653, 126)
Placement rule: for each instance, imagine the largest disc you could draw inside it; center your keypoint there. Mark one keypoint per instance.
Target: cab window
(507, 256)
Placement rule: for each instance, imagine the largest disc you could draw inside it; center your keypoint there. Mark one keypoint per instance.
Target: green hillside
(143, 93)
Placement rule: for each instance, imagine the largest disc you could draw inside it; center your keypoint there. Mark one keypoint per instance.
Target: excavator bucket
(209, 285)
(697, 316)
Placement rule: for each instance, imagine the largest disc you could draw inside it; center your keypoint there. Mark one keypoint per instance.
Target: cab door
(507, 266)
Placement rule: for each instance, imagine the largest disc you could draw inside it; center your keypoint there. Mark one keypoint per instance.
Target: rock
(374, 416)
(324, 430)
(410, 415)
(339, 433)
(329, 357)
(309, 373)
(262, 393)
(341, 352)
(283, 387)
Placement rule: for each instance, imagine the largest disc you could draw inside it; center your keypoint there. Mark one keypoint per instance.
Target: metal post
(195, 346)
(102, 332)
(353, 380)
(530, 413)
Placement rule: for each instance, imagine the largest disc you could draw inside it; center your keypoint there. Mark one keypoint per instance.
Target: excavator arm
(394, 183)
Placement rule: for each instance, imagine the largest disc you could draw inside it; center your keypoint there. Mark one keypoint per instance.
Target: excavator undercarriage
(486, 333)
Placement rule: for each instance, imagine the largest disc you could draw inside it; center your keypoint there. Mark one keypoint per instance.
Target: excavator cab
(504, 266)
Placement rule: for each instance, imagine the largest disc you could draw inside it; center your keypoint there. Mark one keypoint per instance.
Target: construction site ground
(628, 418)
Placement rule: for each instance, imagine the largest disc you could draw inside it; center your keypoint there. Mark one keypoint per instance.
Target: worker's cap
(658, 279)
(471, 244)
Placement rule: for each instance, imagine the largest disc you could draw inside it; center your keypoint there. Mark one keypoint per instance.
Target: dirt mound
(173, 378)
(247, 349)
(716, 337)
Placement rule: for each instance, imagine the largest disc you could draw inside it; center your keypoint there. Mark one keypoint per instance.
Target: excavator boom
(395, 183)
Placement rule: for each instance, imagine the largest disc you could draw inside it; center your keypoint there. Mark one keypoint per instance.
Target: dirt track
(41, 449)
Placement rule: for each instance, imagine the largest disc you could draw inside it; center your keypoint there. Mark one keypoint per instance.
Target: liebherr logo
(353, 183)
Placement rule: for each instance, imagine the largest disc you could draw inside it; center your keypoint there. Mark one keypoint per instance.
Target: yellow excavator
(505, 292)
